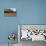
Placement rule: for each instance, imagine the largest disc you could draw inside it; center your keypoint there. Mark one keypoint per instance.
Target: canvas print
(10, 11)
(29, 34)
(33, 32)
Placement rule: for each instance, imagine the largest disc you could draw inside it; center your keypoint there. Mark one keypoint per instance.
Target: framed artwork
(10, 11)
(32, 32)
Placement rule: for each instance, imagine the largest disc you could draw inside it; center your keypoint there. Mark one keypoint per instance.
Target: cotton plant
(12, 37)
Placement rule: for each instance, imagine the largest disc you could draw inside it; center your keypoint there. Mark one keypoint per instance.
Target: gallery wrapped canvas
(10, 12)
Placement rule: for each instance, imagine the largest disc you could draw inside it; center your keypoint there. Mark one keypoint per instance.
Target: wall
(28, 12)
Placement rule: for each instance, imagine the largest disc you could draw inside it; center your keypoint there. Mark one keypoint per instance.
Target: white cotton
(24, 33)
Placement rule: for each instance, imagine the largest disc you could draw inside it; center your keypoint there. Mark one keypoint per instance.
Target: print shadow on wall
(10, 11)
